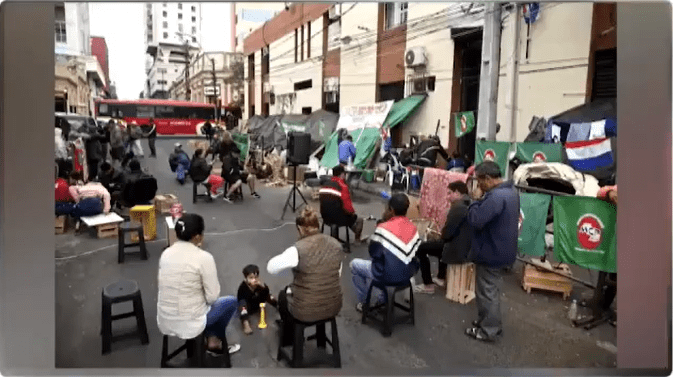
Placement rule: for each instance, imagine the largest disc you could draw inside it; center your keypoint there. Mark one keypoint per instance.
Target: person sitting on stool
(231, 172)
(189, 302)
(338, 185)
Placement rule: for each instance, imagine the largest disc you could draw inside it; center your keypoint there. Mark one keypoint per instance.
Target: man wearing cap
(179, 162)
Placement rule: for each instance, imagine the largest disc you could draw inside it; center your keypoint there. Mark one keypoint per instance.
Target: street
(537, 332)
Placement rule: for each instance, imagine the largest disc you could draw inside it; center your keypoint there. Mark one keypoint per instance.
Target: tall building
(247, 17)
(172, 34)
(72, 29)
(100, 51)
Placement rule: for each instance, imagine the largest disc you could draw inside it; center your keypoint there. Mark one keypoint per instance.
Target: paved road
(537, 333)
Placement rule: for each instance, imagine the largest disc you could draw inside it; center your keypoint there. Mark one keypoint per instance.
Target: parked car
(74, 122)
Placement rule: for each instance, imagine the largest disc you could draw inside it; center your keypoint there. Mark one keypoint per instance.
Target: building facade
(326, 56)
(172, 35)
(72, 34)
(100, 51)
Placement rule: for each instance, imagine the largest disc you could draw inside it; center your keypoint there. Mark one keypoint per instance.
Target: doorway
(465, 91)
(393, 92)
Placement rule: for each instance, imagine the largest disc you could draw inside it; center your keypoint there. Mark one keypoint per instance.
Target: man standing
(152, 138)
(494, 219)
(392, 248)
(347, 151)
(207, 130)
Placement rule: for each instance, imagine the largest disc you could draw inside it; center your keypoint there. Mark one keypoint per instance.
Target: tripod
(293, 193)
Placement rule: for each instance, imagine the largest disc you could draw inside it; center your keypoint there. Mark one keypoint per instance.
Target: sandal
(478, 334)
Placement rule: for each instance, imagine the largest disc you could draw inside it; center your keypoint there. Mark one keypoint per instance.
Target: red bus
(171, 117)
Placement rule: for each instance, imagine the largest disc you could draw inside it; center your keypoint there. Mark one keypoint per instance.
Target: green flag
(585, 232)
(532, 223)
(539, 152)
(464, 123)
(242, 143)
(497, 151)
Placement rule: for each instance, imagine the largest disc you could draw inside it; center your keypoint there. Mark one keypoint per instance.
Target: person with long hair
(316, 261)
(189, 301)
(91, 199)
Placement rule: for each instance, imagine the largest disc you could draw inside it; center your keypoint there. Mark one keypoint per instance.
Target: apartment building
(330, 56)
(172, 34)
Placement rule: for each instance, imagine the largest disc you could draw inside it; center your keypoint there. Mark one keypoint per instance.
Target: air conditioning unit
(419, 85)
(334, 12)
(415, 57)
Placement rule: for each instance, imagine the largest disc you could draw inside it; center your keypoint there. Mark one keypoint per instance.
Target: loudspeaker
(298, 148)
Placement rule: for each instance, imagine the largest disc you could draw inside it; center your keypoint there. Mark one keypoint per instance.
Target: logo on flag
(489, 155)
(539, 157)
(590, 231)
(463, 123)
(522, 217)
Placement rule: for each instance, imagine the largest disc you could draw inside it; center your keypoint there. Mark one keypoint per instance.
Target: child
(251, 293)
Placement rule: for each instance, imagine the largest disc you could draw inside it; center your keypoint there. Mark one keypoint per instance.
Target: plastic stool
(297, 360)
(389, 293)
(115, 293)
(130, 227)
(196, 195)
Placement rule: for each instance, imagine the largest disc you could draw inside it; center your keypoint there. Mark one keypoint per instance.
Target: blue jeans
(64, 208)
(87, 207)
(221, 312)
(362, 278)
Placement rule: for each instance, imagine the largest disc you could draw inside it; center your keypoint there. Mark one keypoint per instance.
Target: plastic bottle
(385, 194)
(572, 313)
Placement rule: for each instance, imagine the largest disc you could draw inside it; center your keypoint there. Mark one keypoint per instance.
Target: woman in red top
(64, 201)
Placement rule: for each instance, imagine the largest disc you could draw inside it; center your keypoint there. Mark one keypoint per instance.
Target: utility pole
(188, 90)
(212, 61)
(513, 72)
(490, 73)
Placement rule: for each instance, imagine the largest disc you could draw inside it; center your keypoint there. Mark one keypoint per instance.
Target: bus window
(165, 112)
(127, 110)
(103, 109)
(145, 112)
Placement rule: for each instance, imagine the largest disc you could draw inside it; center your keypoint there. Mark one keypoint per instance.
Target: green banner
(539, 152)
(464, 123)
(292, 127)
(364, 148)
(242, 142)
(532, 223)
(585, 232)
(496, 151)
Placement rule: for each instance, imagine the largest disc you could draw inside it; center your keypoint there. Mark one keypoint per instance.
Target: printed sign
(364, 116)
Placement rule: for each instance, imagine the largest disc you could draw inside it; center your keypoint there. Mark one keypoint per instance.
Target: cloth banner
(539, 152)
(464, 123)
(364, 116)
(497, 151)
(242, 142)
(532, 223)
(589, 156)
(585, 232)
(434, 202)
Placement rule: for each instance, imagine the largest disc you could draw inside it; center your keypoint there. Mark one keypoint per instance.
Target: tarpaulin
(365, 146)
(402, 109)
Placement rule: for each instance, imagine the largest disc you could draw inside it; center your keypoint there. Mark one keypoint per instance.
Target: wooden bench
(107, 226)
(460, 282)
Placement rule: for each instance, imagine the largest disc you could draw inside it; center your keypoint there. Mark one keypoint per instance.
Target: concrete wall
(358, 58)
(554, 77)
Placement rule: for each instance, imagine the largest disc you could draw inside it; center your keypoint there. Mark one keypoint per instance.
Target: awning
(402, 109)
(364, 148)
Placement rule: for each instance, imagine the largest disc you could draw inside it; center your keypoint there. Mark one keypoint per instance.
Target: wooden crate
(61, 224)
(460, 282)
(110, 230)
(548, 281)
(164, 202)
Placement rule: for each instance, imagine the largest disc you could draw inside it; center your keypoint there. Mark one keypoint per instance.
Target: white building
(72, 36)
(169, 29)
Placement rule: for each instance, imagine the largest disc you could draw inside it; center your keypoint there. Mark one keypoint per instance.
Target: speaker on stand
(298, 153)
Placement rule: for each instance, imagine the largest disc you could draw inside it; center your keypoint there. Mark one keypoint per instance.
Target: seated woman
(189, 302)
(316, 261)
(91, 199)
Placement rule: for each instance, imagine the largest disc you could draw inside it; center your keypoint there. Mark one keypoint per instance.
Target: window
(165, 35)
(165, 25)
(306, 110)
(308, 40)
(307, 84)
(180, 28)
(165, 5)
(164, 111)
(179, 5)
(165, 14)
(296, 47)
(395, 14)
(193, 29)
(431, 83)
(59, 28)
(179, 16)
(145, 112)
(194, 39)
(302, 42)
(265, 61)
(193, 18)
(193, 8)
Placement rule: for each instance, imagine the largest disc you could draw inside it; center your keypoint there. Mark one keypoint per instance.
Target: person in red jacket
(338, 187)
(64, 202)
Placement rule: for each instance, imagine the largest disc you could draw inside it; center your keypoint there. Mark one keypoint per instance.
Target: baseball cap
(178, 145)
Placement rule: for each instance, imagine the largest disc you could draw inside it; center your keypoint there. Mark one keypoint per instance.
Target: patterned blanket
(434, 194)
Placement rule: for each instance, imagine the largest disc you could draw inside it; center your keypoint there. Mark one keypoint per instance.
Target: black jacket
(199, 169)
(457, 233)
(112, 182)
(427, 151)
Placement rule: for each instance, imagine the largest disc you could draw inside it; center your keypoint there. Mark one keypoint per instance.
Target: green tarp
(402, 109)
(365, 146)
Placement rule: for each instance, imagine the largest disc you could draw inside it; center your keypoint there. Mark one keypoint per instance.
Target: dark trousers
(488, 287)
(87, 207)
(64, 208)
(435, 249)
(151, 141)
(93, 169)
(287, 319)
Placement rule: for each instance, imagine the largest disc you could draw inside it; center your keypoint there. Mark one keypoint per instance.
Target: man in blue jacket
(393, 249)
(346, 150)
(494, 219)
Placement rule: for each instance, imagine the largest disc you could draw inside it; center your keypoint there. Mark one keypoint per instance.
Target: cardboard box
(61, 223)
(164, 202)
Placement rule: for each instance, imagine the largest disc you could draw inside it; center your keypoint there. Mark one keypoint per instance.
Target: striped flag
(585, 156)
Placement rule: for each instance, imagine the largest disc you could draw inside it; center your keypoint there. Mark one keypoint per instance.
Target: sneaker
(358, 307)
(215, 196)
(256, 195)
(226, 199)
(425, 289)
(234, 348)
(439, 282)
